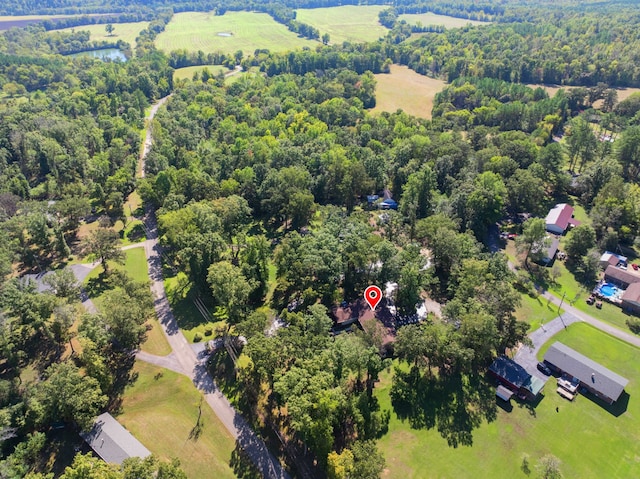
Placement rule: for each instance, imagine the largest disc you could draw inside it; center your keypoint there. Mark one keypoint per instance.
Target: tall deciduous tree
(103, 245)
(230, 289)
(533, 241)
(68, 395)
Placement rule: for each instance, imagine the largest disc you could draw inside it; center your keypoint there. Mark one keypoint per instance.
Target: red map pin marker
(372, 295)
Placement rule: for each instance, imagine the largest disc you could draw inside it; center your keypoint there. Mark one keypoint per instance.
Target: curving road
(184, 360)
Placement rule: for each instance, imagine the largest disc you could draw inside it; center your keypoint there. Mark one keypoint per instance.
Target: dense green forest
(260, 186)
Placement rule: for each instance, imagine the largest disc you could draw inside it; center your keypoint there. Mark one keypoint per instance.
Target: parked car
(544, 369)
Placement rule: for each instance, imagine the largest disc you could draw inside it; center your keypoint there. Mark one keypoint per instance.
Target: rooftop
(632, 293)
(560, 215)
(622, 275)
(586, 370)
(112, 442)
(516, 374)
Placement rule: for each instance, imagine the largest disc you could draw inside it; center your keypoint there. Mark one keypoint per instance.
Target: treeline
(97, 19)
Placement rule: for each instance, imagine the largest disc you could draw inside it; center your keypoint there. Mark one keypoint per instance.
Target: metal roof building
(112, 442)
(600, 381)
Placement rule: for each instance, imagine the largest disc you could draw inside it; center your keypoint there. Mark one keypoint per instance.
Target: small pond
(102, 54)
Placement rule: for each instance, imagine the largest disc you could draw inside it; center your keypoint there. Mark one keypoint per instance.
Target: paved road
(192, 364)
(148, 140)
(601, 325)
(527, 356)
(183, 357)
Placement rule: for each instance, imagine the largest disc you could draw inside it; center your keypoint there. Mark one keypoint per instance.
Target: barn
(559, 218)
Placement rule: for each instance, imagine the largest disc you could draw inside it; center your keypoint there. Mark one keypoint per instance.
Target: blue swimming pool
(609, 290)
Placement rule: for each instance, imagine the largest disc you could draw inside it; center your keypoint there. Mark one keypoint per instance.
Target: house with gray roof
(112, 442)
(600, 381)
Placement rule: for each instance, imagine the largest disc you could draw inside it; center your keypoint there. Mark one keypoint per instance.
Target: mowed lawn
(161, 410)
(127, 32)
(406, 90)
(589, 440)
(428, 18)
(228, 33)
(186, 73)
(345, 24)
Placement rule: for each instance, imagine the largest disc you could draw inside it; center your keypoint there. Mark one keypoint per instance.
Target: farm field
(345, 24)
(186, 73)
(407, 90)
(428, 18)
(623, 93)
(228, 33)
(591, 441)
(19, 21)
(122, 31)
(161, 410)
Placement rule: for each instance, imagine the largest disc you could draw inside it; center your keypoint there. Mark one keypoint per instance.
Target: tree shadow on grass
(95, 287)
(242, 466)
(455, 405)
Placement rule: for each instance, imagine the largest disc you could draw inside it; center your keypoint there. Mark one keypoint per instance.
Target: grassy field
(122, 31)
(345, 24)
(536, 311)
(428, 18)
(161, 410)
(186, 73)
(136, 266)
(247, 31)
(590, 441)
(407, 90)
(623, 93)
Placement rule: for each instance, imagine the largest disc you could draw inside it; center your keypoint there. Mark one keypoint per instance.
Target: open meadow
(186, 73)
(161, 410)
(127, 32)
(429, 18)
(228, 33)
(345, 24)
(407, 90)
(590, 440)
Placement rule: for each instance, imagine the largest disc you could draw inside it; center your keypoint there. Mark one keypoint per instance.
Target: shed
(112, 442)
(620, 277)
(504, 393)
(600, 381)
(631, 299)
(559, 218)
(611, 259)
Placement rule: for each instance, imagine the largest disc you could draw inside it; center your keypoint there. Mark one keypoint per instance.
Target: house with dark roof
(112, 442)
(631, 299)
(620, 277)
(595, 378)
(559, 218)
(515, 377)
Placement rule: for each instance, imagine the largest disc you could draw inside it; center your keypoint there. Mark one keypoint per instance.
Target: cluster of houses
(575, 372)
